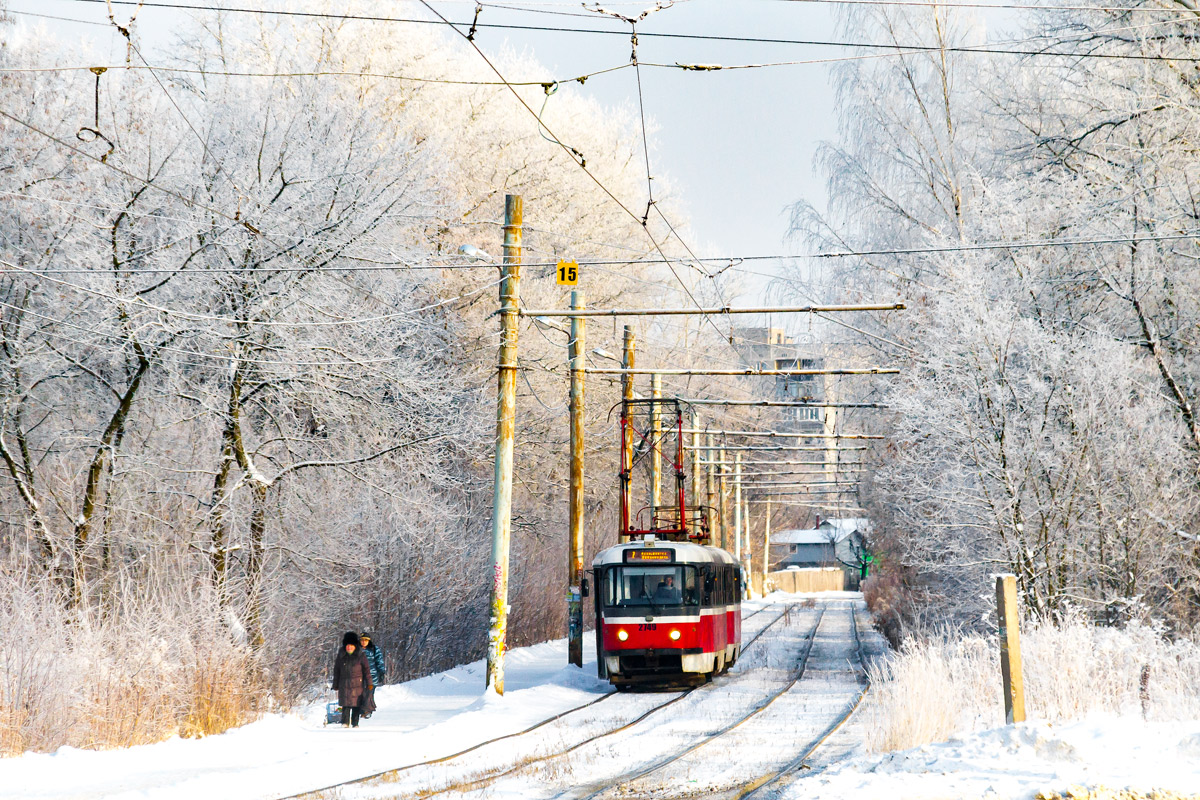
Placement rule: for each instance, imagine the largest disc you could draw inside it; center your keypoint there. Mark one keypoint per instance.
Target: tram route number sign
(567, 273)
(650, 555)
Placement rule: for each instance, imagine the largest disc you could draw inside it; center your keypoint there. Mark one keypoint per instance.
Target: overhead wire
(144, 305)
(657, 35)
(574, 154)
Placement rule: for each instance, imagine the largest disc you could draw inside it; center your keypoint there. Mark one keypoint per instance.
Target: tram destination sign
(642, 554)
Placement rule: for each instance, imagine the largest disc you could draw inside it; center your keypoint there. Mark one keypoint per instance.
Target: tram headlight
(675, 636)
(622, 634)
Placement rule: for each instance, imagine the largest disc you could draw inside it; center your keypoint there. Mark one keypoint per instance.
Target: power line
(648, 35)
(572, 153)
(300, 73)
(143, 305)
(998, 6)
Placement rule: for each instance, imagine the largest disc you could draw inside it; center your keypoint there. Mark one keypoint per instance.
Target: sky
(735, 147)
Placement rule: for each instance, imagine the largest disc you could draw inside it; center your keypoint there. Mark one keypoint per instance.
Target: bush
(134, 674)
(938, 686)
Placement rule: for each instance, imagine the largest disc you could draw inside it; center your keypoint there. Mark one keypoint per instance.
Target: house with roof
(833, 543)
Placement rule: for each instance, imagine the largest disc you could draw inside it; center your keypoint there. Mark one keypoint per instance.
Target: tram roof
(685, 552)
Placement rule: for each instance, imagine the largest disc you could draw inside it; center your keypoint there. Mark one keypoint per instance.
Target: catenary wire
(648, 35)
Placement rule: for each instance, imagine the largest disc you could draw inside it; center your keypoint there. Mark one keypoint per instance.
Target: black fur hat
(350, 638)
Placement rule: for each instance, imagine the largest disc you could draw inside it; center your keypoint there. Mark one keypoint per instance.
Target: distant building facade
(833, 543)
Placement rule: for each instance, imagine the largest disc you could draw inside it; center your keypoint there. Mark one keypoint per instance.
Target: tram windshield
(646, 586)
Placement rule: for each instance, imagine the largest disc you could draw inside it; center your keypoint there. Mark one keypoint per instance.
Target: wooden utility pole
(506, 411)
(1010, 648)
(747, 552)
(724, 502)
(575, 535)
(655, 445)
(710, 498)
(737, 508)
(627, 361)
(766, 561)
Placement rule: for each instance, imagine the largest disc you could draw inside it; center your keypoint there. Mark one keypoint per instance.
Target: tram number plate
(648, 626)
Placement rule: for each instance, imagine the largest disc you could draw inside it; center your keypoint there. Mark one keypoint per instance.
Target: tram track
(392, 774)
(776, 780)
(631, 777)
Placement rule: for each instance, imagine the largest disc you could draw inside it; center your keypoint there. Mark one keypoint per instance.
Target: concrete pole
(627, 362)
(575, 535)
(721, 493)
(737, 507)
(506, 411)
(656, 444)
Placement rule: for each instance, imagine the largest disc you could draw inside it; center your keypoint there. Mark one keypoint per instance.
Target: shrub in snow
(939, 686)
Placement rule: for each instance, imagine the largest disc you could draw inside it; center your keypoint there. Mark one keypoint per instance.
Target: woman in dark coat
(351, 678)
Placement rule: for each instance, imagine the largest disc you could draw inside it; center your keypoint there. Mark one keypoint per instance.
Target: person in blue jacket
(374, 656)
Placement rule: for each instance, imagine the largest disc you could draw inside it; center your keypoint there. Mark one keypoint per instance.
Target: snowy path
(284, 755)
(561, 761)
(442, 715)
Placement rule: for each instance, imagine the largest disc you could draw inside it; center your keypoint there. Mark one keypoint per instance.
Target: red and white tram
(666, 611)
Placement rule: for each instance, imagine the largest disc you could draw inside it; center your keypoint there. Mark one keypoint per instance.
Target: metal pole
(575, 536)
(506, 410)
(695, 431)
(737, 508)
(627, 361)
(655, 445)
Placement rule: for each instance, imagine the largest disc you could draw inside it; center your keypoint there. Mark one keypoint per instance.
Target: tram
(667, 603)
(666, 611)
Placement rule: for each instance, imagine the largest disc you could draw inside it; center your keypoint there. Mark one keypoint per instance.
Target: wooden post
(1010, 648)
(506, 411)
(575, 534)
(627, 362)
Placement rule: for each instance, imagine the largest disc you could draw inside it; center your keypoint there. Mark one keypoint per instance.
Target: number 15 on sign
(568, 273)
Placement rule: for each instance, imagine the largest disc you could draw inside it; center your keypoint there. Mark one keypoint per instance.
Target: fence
(825, 579)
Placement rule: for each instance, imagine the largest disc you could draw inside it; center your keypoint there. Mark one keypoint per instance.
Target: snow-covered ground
(443, 714)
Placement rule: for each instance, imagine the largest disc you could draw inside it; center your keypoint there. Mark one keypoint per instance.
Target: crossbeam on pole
(797, 492)
(790, 472)
(668, 312)
(788, 434)
(717, 463)
(797, 484)
(774, 501)
(704, 401)
(769, 448)
(748, 372)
